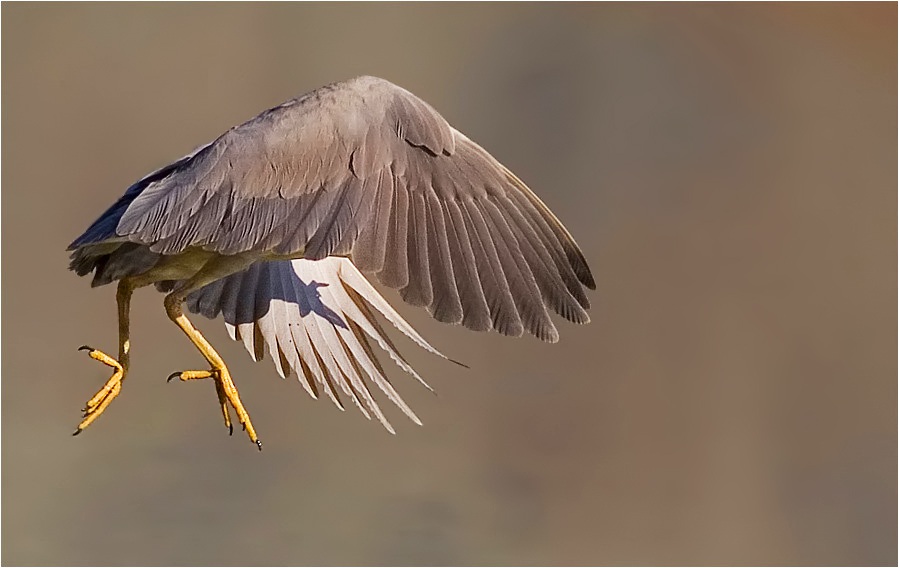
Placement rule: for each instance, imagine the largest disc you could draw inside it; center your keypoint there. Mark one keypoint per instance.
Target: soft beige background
(730, 172)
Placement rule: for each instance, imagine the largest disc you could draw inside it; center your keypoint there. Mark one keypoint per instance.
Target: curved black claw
(230, 429)
(172, 376)
(85, 348)
(78, 431)
(259, 444)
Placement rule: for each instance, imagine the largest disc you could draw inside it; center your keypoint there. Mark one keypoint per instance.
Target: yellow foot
(227, 394)
(98, 403)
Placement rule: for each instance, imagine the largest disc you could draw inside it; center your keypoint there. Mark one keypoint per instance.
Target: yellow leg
(225, 388)
(220, 391)
(98, 403)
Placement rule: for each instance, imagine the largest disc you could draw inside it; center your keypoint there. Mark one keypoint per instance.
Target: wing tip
(460, 363)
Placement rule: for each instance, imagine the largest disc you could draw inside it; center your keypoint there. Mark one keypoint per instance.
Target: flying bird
(273, 224)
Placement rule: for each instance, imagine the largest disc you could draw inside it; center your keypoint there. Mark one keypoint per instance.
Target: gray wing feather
(396, 262)
(366, 169)
(371, 246)
(446, 305)
(418, 291)
(522, 285)
(314, 318)
(476, 314)
(506, 319)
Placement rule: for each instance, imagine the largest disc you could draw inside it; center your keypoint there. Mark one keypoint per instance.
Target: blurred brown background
(729, 170)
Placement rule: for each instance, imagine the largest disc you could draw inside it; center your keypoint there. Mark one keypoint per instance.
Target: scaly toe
(88, 410)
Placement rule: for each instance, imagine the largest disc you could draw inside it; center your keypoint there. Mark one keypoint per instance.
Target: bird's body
(363, 172)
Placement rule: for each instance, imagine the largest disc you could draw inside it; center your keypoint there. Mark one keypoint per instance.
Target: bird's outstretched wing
(315, 318)
(366, 169)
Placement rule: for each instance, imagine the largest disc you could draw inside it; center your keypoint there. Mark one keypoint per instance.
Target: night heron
(271, 224)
